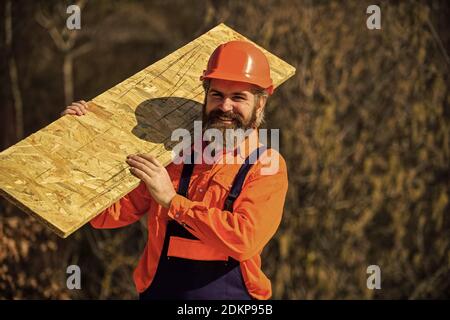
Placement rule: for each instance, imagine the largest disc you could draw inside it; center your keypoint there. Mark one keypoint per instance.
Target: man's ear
(261, 103)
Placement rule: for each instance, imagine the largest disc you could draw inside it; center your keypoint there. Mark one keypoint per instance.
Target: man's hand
(78, 108)
(154, 175)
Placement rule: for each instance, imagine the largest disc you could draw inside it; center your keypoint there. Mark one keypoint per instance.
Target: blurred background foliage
(364, 130)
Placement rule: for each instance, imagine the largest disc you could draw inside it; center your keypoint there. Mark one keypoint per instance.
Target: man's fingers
(81, 106)
(151, 159)
(84, 103)
(144, 161)
(140, 174)
(68, 111)
(77, 109)
(141, 166)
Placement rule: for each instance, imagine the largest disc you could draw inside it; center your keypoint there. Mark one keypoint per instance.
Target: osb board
(70, 171)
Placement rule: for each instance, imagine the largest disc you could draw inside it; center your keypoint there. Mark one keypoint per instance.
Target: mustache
(217, 115)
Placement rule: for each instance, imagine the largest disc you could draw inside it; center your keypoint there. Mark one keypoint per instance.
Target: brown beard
(212, 120)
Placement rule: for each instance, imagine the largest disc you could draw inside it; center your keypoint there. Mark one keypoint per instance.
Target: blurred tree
(65, 40)
(14, 77)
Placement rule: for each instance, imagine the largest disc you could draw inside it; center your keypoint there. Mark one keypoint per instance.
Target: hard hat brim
(264, 84)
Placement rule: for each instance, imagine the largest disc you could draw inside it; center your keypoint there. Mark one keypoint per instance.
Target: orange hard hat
(239, 61)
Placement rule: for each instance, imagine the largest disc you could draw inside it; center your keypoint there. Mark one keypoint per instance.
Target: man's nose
(226, 105)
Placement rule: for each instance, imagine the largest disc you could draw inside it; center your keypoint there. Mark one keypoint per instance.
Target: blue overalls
(186, 279)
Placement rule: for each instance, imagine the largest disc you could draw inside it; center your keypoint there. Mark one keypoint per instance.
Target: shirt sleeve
(126, 211)
(243, 233)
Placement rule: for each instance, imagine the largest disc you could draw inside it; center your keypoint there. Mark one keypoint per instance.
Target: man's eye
(238, 98)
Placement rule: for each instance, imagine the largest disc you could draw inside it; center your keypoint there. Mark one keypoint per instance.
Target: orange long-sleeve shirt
(241, 234)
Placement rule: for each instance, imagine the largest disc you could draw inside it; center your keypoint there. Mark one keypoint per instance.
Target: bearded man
(208, 221)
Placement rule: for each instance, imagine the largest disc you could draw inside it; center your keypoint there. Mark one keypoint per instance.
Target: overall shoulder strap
(238, 181)
(186, 174)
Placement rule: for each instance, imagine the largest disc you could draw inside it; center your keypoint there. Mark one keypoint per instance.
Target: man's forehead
(229, 86)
